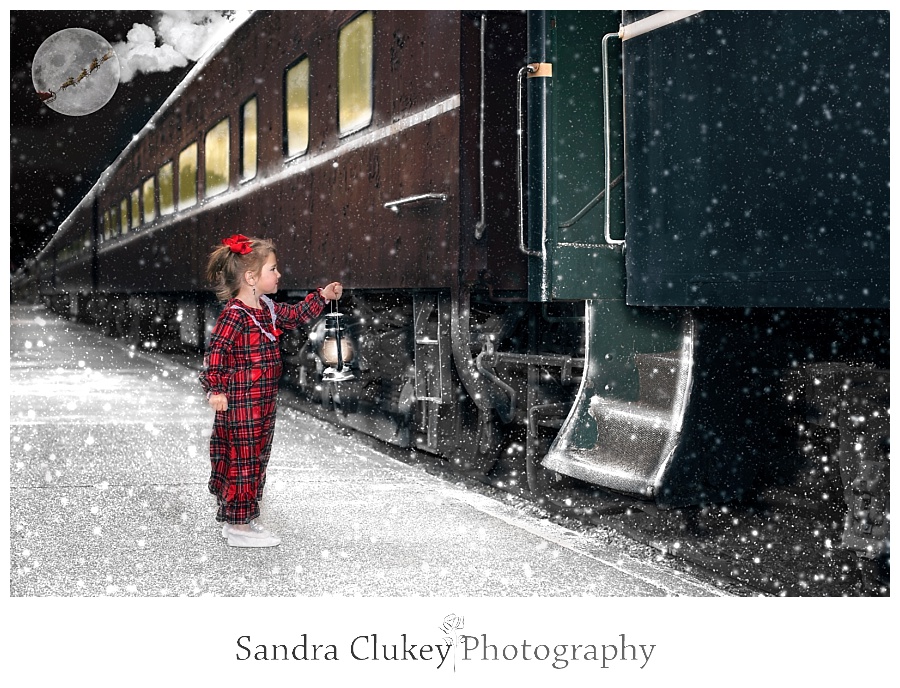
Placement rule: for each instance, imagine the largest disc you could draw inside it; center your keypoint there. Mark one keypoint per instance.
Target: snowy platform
(108, 496)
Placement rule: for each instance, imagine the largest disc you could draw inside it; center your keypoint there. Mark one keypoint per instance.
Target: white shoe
(254, 528)
(237, 539)
(256, 536)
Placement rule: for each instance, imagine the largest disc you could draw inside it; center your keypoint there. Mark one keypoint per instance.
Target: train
(645, 252)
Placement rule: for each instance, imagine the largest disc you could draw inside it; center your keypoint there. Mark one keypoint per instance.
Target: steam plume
(181, 36)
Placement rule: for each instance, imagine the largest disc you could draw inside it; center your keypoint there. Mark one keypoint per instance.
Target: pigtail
(220, 273)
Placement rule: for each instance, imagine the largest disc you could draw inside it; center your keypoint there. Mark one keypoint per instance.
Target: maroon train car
(374, 148)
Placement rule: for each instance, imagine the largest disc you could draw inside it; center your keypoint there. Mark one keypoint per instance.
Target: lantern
(337, 350)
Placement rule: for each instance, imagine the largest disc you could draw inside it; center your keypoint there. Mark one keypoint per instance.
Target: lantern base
(334, 375)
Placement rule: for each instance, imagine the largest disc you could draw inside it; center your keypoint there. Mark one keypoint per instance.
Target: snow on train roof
(238, 21)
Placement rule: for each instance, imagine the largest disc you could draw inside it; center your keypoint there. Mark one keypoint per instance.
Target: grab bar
(606, 144)
(418, 198)
(523, 244)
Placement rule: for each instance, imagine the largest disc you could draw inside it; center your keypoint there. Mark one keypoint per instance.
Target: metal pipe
(482, 223)
(533, 470)
(508, 413)
(486, 391)
(564, 363)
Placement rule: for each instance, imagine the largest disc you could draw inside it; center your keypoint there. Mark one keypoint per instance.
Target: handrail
(418, 198)
(590, 204)
(606, 144)
(523, 246)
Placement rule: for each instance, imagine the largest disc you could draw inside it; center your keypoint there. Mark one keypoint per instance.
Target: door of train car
(574, 171)
(574, 240)
(416, 184)
(573, 167)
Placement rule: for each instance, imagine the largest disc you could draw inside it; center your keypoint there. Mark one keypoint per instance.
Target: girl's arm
(291, 315)
(218, 366)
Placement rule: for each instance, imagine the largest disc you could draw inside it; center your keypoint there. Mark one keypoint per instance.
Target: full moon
(75, 72)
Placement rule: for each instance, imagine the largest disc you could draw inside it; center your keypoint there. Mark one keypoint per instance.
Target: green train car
(715, 186)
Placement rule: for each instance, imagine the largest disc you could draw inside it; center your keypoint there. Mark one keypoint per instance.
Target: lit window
(216, 149)
(107, 225)
(123, 215)
(296, 108)
(187, 177)
(149, 200)
(355, 74)
(248, 140)
(135, 208)
(167, 189)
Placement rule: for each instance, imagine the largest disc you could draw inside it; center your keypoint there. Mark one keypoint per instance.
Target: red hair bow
(238, 243)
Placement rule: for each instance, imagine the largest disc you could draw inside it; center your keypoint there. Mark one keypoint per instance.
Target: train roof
(239, 21)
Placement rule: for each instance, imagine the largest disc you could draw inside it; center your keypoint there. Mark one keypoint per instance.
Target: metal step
(637, 437)
(627, 444)
(657, 377)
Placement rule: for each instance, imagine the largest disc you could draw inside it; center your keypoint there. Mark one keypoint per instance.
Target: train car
(731, 243)
(645, 252)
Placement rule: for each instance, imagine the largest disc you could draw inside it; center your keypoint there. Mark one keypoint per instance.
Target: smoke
(181, 36)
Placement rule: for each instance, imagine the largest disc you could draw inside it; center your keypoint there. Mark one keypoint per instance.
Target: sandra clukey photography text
(450, 652)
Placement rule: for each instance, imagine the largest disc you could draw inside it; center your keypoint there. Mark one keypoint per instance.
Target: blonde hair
(226, 269)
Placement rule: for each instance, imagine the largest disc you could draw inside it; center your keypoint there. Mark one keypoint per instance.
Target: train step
(657, 375)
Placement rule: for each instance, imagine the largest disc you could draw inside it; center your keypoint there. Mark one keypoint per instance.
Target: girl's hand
(219, 402)
(333, 291)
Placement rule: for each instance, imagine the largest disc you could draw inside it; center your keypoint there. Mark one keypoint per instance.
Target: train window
(216, 150)
(123, 215)
(187, 177)
(149, 200)
(248, 140)
(296, 108)
(107, 225)
(355, 74)
(135, 208)
(167, 189)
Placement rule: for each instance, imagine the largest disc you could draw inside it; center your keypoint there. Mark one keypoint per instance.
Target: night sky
(56, 158)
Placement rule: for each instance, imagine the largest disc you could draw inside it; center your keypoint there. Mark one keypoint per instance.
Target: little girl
(240, 378)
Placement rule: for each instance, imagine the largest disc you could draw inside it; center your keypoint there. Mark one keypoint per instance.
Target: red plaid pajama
(245, 365)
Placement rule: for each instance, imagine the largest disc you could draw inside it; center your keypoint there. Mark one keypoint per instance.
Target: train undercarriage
(484, 383)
